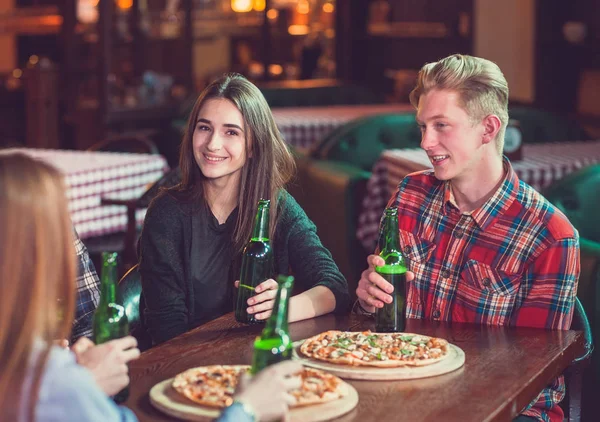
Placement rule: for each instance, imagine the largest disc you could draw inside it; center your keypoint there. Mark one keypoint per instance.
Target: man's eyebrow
(437, 116)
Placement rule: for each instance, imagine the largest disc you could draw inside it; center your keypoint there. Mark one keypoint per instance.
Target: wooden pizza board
(454, 360)
(164, 397)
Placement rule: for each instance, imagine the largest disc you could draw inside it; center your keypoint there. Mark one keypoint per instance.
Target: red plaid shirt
(514, 261)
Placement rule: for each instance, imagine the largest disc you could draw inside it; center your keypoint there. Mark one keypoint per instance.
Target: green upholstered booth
(332, 179)
(362, 141)
(330, 193)
(588, 293)
(130, 290)
(578, 196)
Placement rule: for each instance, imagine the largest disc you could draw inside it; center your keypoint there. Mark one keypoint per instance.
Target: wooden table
(504, 369)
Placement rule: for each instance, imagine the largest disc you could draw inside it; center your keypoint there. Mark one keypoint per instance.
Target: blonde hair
(37, 274)
(480, 84)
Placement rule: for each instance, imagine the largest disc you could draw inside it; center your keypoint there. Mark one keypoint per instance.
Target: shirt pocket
(485, 295)
(418, 253)
(415, 249)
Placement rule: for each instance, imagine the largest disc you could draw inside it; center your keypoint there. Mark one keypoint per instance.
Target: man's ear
(491, 127)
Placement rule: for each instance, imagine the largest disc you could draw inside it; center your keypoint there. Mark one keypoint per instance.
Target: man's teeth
(439, 157)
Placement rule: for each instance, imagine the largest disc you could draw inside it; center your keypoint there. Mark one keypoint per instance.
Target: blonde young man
(483, 246)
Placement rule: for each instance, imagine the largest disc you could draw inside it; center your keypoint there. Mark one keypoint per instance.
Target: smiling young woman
(232, 155)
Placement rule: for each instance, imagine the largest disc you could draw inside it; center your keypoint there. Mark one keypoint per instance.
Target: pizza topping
(374, 349)
(382, 356)
(214, 385)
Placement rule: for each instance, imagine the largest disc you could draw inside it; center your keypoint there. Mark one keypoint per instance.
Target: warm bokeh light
(124, 4)
(17, 73)
(34, 59)
(259, 5)
(275, 69)
(272, 14)
(241, 5)
(328, 8)
(303, 7)
(87, 11)
(298, 29)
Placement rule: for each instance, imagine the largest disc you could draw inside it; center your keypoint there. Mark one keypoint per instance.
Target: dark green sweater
(166, 264)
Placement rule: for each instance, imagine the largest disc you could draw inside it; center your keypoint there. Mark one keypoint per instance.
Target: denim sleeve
(235, 413)
(68, 392)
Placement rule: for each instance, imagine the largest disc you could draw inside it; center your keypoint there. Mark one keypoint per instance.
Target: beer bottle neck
(277, 323)
(261, 225)
(390, 245)
(391, 241)
(108, 279)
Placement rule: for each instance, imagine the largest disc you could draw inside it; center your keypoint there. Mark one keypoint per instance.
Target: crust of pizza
(382, 350)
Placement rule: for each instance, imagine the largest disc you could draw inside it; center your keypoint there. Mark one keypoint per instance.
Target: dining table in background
(302, 127)
(500, 376)
(542, 164)
(91, 176)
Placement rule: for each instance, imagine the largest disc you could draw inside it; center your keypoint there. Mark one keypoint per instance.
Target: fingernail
(390, 289)
(257, 290)
(250, 301)
(250, 310)
(388, 299)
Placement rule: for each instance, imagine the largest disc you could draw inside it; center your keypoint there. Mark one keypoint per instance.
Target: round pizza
(214, 386)
(385, 350)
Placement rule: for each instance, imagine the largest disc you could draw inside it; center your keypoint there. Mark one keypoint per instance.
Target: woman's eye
(202, 127)
(231, 133)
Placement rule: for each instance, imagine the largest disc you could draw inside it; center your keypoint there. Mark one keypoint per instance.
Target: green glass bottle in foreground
(391, 318)
(110, 320)
(257, 263)
(274, 344)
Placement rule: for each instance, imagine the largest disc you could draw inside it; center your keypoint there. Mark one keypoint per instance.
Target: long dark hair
(265, 172)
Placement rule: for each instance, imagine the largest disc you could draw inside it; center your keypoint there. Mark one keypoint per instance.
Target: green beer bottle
(257, 263)
(391, 318)
(110, 319)
(274, 344)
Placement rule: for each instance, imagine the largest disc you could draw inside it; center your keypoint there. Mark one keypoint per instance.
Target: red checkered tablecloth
(302, 127)
(92, 175)
(542, 164)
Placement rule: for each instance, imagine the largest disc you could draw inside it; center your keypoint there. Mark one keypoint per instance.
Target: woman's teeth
(213, 158)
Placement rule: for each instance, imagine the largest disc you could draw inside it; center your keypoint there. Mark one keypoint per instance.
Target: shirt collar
(497, 205)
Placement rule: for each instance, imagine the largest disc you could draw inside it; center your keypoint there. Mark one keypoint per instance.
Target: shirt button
(487, 282)
(407, 250)
(445, 273)
(436, 313)
(459, 233)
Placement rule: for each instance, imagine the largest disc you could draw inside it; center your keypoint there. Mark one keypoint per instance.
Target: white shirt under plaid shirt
(88, 292)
